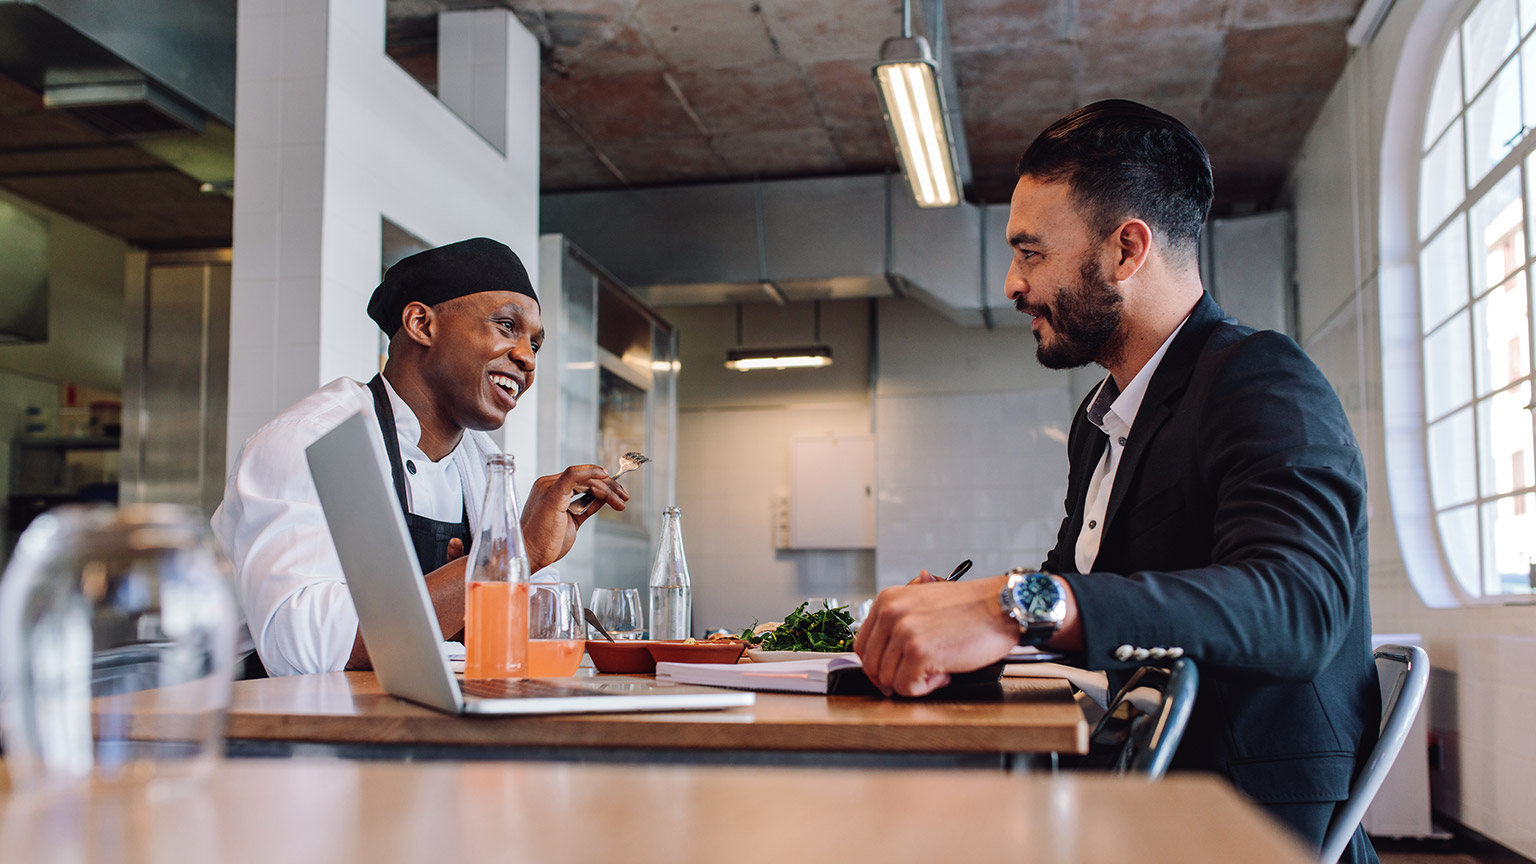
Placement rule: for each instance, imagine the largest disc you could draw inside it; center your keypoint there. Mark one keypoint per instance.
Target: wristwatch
(1035, 602)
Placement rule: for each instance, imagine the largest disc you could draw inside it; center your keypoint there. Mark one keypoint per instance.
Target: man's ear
(418, 323)
(1131, 244)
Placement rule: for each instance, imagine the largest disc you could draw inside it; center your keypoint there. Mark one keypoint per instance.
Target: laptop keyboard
(523, 688)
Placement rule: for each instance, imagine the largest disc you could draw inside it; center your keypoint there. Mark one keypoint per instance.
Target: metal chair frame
(1152, 737)
(1401, 697)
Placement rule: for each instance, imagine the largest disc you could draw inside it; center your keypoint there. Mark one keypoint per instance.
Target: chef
(464, 331)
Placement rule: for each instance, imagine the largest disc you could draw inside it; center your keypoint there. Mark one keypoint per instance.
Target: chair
(1404, 673)
(1144, 722)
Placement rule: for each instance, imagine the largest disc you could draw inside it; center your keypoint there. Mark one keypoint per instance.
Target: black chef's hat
(436, 275)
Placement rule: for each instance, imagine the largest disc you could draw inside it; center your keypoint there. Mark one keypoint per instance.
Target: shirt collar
(1114, 410)
(408, 429)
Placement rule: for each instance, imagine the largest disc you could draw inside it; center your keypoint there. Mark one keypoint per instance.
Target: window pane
(1504, 446)
(1441, 185)
(1509, 544)
(1447, 372)
(1498, 234)
(1527, 15)
(1493, 122)
(1500, 326)
(1488, 36)
(1452, 468)
(1443, 273)
(1445, 99)
(1458, 537)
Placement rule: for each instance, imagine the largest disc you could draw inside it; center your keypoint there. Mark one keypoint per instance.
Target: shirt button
(1140, 654)
(1122, 441)
(1124, 652)
(1175, 652)
(1093, 523)
(410, 466)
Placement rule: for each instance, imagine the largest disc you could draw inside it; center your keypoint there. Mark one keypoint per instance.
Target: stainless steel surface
(24, 276)
(176, 380)
(827, 238)
(187, 45)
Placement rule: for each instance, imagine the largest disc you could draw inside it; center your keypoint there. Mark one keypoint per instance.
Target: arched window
(1477, 182)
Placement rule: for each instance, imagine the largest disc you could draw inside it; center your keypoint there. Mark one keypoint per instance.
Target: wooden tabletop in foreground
(1034, 716)
(382, 813)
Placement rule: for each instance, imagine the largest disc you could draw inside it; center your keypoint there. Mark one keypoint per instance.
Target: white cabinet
(832, 492)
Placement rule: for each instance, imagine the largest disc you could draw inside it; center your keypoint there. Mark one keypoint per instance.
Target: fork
(627, 463)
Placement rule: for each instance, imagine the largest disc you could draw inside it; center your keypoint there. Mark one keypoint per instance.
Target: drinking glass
(556, 631)
(107, 617)
(619, 610)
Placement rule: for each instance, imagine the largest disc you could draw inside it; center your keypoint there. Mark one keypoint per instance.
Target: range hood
(150, 67)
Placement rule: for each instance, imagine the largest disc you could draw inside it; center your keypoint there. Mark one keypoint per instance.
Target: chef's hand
(918, 634)
(549, 528)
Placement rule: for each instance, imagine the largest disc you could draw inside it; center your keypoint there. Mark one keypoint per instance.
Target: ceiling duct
(130, 69)
(121, 103)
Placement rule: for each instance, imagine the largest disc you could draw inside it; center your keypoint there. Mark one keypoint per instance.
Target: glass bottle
(496, 583)
(107, 616)
(671, 596)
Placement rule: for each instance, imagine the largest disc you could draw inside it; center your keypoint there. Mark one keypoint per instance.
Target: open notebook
(839, 675)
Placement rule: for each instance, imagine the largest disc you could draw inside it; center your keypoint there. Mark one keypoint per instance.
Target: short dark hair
(1124, 160)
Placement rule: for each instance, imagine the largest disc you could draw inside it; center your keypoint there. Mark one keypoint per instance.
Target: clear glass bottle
(106, 617)
(496, 583)
(671, 595)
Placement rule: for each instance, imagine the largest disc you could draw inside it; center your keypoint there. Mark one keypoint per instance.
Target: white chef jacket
(1114, 412)
(287, 576)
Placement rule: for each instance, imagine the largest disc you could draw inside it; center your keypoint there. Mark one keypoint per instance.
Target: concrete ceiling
(656, 92)
(649, 92)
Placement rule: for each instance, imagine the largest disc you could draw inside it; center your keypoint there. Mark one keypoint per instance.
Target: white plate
(757, 655)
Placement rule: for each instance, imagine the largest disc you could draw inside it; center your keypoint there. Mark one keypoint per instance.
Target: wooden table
(297, 811)
(346, 713)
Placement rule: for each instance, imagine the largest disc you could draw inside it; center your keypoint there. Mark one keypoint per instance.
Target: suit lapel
(1167, 383)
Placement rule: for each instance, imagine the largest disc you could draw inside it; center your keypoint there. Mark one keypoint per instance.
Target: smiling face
(1057, 277)
(481, 358)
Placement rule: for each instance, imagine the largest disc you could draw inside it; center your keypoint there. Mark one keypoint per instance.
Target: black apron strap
(386, 415)
(429, 536)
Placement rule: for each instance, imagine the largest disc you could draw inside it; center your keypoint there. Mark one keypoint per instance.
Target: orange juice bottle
(496, 589)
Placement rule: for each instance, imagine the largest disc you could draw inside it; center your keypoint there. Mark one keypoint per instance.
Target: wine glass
(555, 629)
(619, 610)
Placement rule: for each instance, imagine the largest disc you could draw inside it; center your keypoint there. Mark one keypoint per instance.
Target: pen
(959, 570)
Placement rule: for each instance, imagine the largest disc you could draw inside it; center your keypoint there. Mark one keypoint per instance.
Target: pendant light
(907, 77)
(811, 356)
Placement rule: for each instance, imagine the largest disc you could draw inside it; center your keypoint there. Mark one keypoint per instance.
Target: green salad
(828, 629)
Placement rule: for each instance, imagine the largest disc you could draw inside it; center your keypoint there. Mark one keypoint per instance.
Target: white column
(331, 136)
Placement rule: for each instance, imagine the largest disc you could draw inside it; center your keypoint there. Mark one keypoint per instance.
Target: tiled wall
(969, 475)
(1482, 696)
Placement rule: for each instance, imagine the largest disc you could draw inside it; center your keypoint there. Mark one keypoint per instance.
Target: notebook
(840, 675)
(395, 611)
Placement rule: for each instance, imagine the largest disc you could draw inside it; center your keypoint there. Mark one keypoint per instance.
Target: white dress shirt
(1114, 412)
(287, 576)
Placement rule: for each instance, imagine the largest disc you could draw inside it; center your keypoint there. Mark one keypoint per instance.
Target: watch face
(1039, 597)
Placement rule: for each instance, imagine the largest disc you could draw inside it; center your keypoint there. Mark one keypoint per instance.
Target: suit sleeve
(1281, 463)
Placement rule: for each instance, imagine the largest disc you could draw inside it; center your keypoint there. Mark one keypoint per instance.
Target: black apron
(429, 536)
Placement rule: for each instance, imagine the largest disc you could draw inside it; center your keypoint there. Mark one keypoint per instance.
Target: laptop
(395, 611)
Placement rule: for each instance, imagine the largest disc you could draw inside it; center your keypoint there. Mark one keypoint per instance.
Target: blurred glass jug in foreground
(117, 636)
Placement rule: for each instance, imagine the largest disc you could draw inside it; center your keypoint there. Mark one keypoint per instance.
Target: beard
(1084, 321)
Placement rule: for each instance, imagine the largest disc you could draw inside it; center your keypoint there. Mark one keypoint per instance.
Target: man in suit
(1216, 495)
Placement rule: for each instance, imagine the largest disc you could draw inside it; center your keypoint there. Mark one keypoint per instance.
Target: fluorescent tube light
(909, 92)
(746, 360)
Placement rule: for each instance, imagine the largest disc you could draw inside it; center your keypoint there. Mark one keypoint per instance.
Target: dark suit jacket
(1236, 530)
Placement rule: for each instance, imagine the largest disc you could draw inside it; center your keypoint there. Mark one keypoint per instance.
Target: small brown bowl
(625, 657)
(698, 652)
